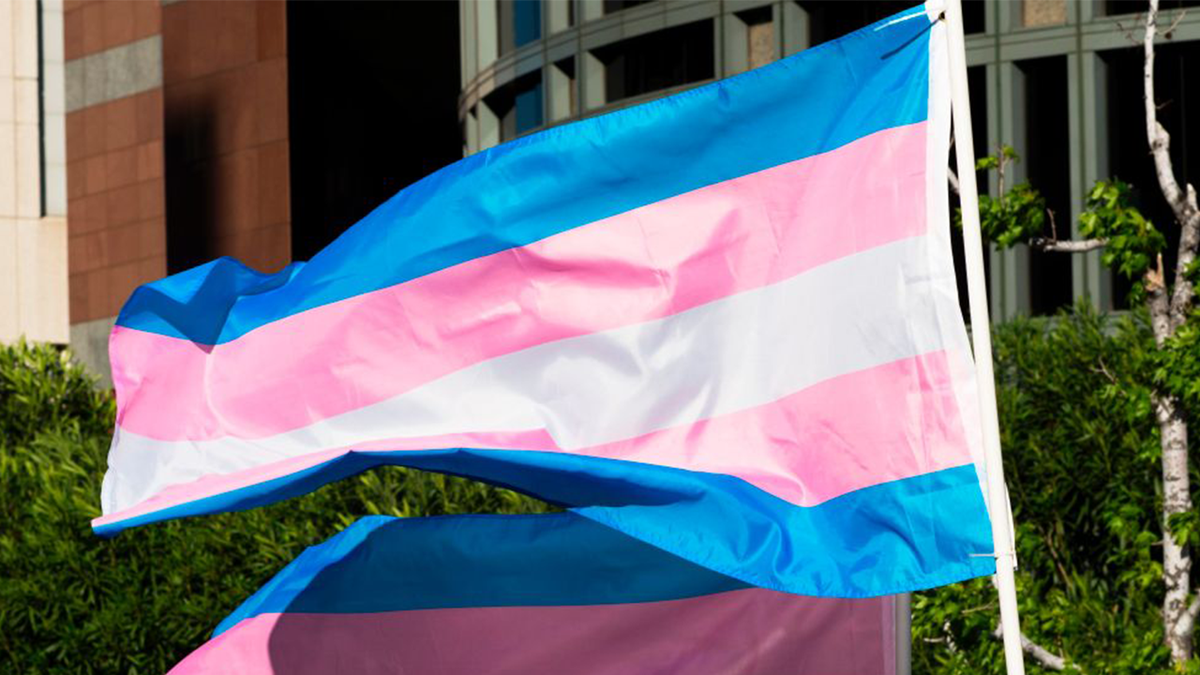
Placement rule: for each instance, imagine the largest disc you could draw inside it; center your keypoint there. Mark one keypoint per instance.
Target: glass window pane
(1047, 163)
(529, 108)
(527, 21)
(659, 60)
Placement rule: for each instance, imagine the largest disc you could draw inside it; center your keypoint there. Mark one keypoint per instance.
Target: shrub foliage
(1081, 455)
(71, 602)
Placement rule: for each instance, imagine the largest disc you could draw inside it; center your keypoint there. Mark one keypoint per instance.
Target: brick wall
(176, 147)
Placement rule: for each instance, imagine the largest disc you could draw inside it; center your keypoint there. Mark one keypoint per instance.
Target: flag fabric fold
(549, 593)
(724, 323)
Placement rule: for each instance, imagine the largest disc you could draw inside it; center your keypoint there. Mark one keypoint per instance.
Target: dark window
(41, 113)
(368, 114)
(666, 58)
(1112, 7)
(528, 108)
(829, 19)
(527, 20)
(973, 16)
(977, 87)
(567, 66)
(566, 104)
(1047, 164)
(1176, 66)
(518, 105)
(617, 5)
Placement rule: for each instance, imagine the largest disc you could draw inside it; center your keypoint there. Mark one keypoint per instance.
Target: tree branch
(1169, 32)
(1043, 656)
(1037, 652)
(1182, 201)
(1188, 622)
(1067, 246)
(1042, 243)
(1103, 370)
(1129, 32)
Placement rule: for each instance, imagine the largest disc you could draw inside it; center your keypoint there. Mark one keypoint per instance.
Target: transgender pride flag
(725, 323)
(549, 593)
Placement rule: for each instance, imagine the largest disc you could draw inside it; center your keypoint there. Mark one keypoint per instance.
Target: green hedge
(71, 602)
(1081, 456)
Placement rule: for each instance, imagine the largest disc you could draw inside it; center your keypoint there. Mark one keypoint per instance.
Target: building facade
(1057, 79)
(140, 138)
(33, 202)
(196, 91)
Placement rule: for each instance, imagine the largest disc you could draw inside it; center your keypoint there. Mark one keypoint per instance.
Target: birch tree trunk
(1177, 564)
(1166, 316)
(1169, 309)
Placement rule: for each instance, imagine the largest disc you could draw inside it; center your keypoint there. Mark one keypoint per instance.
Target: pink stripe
(747, 632)
(641, 265)
(834, 437)
(850, 432)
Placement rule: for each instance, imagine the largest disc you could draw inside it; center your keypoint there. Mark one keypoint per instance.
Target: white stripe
(745, 350)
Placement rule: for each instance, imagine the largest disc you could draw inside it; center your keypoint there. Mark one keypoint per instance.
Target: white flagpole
(1002, 538)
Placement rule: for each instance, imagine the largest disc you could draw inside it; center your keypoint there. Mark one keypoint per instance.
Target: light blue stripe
(526, 190)
(899, 536)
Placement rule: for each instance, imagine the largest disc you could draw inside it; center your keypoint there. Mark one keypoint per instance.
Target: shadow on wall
(89, 343)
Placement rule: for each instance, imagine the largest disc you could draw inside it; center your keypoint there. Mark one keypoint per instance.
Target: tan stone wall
(1035, 13)
(32, 247)
(761, 44)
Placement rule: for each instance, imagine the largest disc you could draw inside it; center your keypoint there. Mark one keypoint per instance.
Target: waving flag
(725, 323)
(551, 593)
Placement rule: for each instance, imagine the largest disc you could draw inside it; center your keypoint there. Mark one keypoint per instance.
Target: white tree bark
(1177, 564)
(1067, 245)
(1166, 316)
(1182, 201)
(1045, 658)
